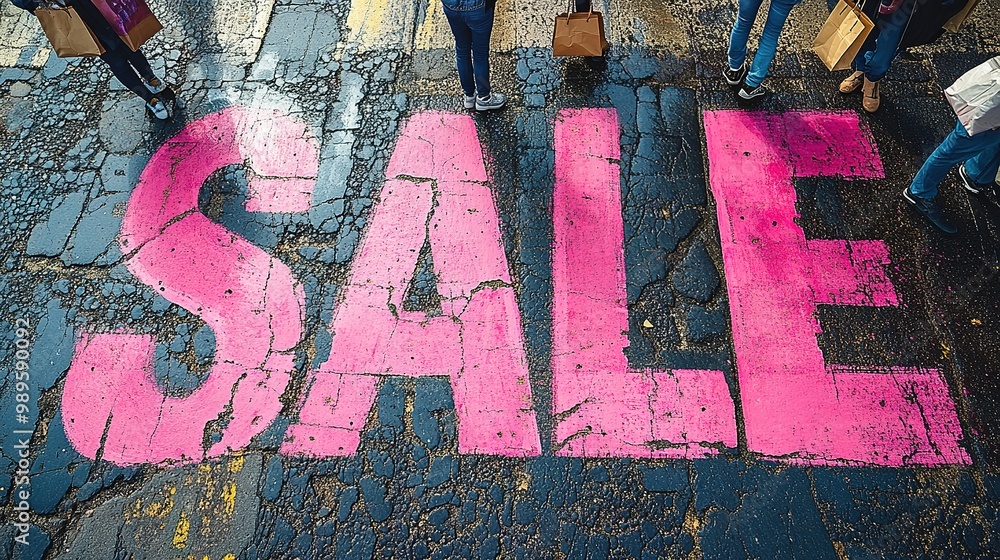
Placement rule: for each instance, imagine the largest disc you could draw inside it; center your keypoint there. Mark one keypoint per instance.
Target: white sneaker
(749, 93)
(469, 101)
(493, 101)
(158, 109)
(154, 85)
(970, 185)
(735, 76)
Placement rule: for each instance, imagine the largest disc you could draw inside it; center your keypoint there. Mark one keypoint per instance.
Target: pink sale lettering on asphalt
(796, 407)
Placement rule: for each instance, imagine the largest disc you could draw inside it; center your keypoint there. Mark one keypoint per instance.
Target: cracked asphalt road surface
(325, 312)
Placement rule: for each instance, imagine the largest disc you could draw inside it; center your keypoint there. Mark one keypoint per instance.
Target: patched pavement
(326, 313)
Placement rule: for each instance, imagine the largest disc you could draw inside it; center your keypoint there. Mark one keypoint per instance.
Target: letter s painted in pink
(248, 298)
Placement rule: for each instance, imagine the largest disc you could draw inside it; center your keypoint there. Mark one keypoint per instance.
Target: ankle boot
(852, 82)
(872, 98)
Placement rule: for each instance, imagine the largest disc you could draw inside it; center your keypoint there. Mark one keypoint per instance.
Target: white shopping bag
(975, 97)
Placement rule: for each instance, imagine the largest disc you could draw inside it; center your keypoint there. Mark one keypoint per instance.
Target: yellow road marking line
(229, 498)
(433, 32)
(181, 532)
(375, 24)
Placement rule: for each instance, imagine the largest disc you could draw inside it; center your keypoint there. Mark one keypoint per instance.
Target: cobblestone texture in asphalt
(286, 218)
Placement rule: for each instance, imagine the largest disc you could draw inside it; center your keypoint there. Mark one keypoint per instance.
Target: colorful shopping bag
(132, 20)
(842, 36)
(67, 33)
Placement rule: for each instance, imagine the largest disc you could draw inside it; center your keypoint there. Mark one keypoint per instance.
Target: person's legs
(118, 61)
(463, 50)
(861, 60)
(740, 34)
(139, 62)
(583, 5)
(877, 62)
(982, 168)
(776, 16)
(956, 148)
(480, 23)
(890, 32)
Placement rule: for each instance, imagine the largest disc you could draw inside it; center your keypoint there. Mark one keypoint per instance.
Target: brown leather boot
(852, 82)
(872, 97)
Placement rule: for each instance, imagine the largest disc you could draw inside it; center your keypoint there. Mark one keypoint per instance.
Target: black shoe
(929, 209)
(735, 77)
(970, 185)
(748, 93)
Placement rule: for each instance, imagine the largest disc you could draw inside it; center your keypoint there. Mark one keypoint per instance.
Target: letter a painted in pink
(603, 408)
(436, 189)
(798, 408)
(249, 299)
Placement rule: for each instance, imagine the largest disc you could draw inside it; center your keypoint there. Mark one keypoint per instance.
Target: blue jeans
(776, 16)
(472, 31)
(880, 48)
(981, 154)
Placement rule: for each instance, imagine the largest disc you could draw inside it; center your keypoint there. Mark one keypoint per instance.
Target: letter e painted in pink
(249, 299)
(798, 408)
(436, 190)
(602, 407)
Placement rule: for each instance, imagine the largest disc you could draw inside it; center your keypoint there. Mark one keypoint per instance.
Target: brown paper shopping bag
(579, 34)
(956, 22)
(67, 32)
(842, 36)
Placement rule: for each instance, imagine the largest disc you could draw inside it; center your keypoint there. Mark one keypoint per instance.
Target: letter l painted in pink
(602, 407)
